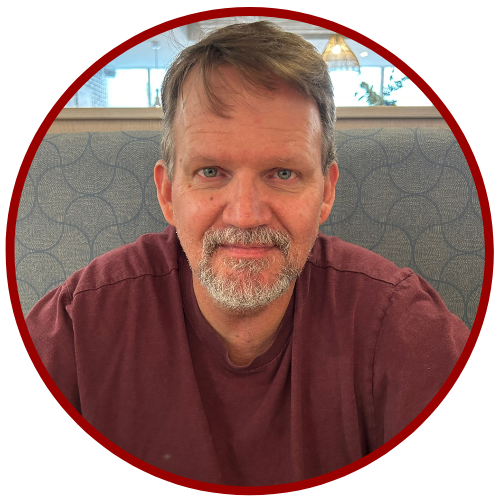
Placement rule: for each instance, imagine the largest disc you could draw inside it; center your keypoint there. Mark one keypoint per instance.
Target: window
(134, 78)
(135, 88)
(347, 83)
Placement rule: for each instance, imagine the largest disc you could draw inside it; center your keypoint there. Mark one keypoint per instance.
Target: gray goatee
(240, 286)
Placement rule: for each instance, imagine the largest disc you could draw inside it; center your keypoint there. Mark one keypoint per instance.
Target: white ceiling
(172, 42)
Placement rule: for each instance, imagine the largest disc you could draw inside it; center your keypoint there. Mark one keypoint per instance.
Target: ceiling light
(339, 56)
(363, 54)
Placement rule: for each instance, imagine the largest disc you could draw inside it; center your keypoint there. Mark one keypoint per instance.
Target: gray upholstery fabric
(405, 194)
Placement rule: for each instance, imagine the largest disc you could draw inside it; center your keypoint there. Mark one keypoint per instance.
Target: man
(239, 347)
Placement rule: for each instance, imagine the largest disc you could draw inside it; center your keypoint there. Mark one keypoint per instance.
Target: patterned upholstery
(406, 194)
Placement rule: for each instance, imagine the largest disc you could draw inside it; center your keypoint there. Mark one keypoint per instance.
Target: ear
(331, 179)
(164, 191)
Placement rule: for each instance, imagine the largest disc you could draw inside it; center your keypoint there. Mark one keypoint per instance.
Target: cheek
(193, 213)
(302, 219)
(303, 227)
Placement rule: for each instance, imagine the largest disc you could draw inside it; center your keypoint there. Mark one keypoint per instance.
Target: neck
(245, 336)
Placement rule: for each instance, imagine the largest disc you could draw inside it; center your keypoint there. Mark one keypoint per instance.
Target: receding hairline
(286, 56)
(192, 105)
(227, 93)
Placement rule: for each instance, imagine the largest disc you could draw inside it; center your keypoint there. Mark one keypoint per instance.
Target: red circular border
(278, 13)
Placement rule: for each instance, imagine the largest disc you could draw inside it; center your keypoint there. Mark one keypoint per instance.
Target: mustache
(261, 235)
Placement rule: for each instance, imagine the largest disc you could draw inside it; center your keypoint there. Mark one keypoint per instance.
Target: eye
(284, 174)
(208, 172)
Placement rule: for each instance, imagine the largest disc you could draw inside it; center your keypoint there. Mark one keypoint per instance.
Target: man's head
(259, 52)
(248, 173)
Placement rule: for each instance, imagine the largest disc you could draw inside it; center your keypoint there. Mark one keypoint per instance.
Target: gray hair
(251, 48)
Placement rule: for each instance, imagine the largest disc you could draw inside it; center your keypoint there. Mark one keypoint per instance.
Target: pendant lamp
(339, 56)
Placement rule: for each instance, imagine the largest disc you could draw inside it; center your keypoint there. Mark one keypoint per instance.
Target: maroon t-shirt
(362, 348)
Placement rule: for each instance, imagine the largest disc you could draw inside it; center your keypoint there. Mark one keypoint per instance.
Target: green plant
(375, 99)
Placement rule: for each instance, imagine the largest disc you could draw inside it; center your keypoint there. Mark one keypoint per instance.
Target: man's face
(248, 194)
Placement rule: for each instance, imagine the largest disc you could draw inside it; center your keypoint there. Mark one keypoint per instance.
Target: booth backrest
(406, 194)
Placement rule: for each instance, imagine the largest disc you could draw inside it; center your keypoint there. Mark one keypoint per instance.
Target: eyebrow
(278, 159)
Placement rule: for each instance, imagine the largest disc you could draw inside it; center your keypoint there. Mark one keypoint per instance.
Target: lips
(250, 251)
(256, 247)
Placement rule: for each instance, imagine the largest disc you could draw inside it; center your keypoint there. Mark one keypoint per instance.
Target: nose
(246, 205)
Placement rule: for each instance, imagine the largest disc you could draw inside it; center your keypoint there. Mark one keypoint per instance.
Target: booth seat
(406, 194)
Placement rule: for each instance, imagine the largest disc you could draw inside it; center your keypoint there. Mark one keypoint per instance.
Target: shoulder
(411, 308)
(154, 254)
(342, 257)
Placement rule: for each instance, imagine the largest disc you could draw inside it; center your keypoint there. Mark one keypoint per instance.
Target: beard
(238, 284)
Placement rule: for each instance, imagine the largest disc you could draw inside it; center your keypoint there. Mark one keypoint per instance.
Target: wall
(99, 120)
(93, 94)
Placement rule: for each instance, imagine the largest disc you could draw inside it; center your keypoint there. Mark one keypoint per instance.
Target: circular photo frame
(482, 294)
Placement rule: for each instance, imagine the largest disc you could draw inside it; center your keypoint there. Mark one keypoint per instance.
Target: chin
(245, 286)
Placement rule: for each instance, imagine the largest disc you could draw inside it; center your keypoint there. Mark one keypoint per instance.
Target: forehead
(282, 116)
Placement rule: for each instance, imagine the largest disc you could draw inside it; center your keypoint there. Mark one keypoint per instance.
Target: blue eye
(284, 174)
(209, 172)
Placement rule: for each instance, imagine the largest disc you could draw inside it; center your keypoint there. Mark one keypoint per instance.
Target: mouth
(255, 243)
(247, 251)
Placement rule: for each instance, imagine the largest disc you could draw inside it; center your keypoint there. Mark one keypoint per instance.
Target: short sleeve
(51, 329)
(418, 345)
